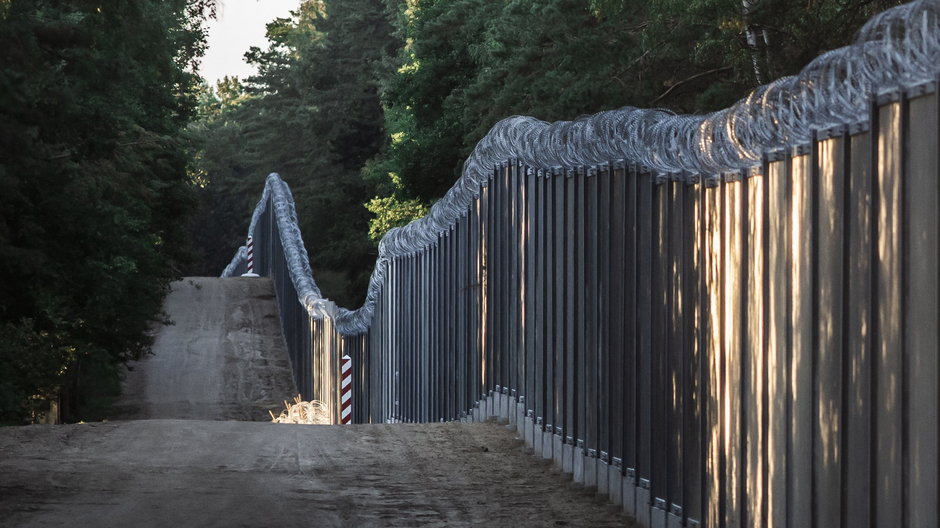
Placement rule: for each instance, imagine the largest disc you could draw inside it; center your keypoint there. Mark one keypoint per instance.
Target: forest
(122, 170)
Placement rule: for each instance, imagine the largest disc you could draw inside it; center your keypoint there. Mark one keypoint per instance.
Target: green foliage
(313, 115)
(391, 212)
(450, 71)
(93, 186)
(469, 63)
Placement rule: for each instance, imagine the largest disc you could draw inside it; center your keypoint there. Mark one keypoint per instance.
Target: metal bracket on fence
(831, 132)
(676, 510)
(618, 462)
(592, 453)
(692, 523)
(513, 393)
(605, 457)
(776, 155)
(660, 504)
(558, 430)
(505, 390)
(922, 89)
(888, 96)
(645, 483)
(859, 127)
(580, 444)
(801, 150)
(529, 413)
(569, 440)
(731, 177)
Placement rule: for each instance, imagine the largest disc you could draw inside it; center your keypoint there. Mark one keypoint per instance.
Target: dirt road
(223, 358)
(219, 364)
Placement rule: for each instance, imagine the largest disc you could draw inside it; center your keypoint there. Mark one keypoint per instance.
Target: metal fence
(754, 349)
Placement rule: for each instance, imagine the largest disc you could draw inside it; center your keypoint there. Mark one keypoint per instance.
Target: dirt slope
(223, 358)
(179, 458)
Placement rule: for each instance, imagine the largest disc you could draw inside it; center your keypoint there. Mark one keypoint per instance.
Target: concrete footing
(529, 427)
(557, 451)
(579, 465)
(603, 477)
(548, 445)
(629, 495)
(584, 465)
(658, 518)
(673, 521)
(590, 471)
(537, 438)
(567, 455)
(643, 506)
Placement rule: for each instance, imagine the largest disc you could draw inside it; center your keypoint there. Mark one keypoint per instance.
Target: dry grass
(301, 412)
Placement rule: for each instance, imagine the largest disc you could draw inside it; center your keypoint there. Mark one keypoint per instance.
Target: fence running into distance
(737, 326)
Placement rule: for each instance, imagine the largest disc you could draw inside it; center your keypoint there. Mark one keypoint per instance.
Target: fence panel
(756, 348)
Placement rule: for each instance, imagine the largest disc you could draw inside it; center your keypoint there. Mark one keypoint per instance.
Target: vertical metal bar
(581, 320)
(514, 289)
(644, 266)
(659, 391)
(799, 450)
(604, 320)
(776, 190)
(570, 292)
(755, 349)
(888, 321)
(631, 309)
(714, 358)
(828, 346)
(738, 360)
(558, 294)
(531, 285)
(923, 305)
(679, 352)
(618, 325)
(693, 432)
(548, 331)
(536, 402)
(592, 298)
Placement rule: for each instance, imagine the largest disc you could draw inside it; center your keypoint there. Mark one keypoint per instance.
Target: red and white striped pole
(346, 392)
(251, 258)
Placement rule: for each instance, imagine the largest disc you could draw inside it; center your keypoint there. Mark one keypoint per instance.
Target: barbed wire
(900, 47)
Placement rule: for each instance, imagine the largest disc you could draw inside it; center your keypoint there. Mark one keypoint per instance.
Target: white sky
(240, 24)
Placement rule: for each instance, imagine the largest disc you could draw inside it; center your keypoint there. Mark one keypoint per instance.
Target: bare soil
(183, 454)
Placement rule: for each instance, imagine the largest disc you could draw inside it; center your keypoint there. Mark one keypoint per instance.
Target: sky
(240, 24)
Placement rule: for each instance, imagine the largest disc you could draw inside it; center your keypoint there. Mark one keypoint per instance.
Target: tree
(469, 63)
(313, 115)
(93, 182)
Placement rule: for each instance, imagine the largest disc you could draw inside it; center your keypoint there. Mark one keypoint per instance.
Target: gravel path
(224, 362)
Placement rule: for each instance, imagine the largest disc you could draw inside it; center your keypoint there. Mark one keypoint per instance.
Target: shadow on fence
(758, 348)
